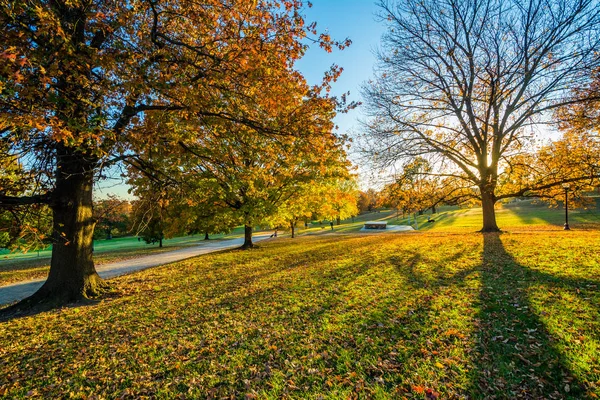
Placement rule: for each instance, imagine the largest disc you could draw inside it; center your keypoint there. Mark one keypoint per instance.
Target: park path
(20, 290)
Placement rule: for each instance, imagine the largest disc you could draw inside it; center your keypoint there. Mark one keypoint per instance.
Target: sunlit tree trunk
(72, 273)
(488, 202)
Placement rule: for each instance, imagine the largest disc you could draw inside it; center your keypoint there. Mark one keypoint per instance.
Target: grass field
(518, 216)
(521, 216)
(395, 316)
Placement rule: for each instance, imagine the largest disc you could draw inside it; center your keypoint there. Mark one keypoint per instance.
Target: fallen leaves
(343, 323)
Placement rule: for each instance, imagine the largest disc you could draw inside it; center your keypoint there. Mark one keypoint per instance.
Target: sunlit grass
(374, 316)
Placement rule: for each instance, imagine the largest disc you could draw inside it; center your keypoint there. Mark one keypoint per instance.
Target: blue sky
(355, 19)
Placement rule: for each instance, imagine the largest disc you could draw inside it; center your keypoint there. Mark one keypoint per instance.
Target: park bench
(376, 225)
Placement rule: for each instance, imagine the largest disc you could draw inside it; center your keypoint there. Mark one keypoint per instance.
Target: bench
(376, 225)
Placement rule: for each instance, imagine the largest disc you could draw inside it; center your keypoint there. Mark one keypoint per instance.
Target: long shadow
(542, 214)
(517, 355)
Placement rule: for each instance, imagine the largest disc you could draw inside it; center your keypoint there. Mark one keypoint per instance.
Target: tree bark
(206, 236)
(293, 226)
(247, 237)
(338, 220)
(72, 275)
(433, 210)
(488, 201)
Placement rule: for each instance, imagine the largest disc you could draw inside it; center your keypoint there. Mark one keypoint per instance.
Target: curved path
(19, 291)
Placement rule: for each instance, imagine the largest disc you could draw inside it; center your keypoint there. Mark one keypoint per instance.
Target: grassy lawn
(15, 267)
(18, 266)
(516, 216)
(332, 316)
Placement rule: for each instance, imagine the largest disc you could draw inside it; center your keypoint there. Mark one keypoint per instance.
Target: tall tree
(469, 80)
(79, 80)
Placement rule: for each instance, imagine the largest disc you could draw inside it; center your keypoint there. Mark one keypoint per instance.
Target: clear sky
(354, 19)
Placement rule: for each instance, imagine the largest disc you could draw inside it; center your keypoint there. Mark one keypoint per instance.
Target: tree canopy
(85, 84)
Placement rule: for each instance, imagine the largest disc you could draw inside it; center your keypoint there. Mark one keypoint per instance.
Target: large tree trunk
(338, 221)
(247, 237)
(206, 236)
(489, 213)
(293, 226)
(72, 274)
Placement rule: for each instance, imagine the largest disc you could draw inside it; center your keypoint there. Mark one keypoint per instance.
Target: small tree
(111, 215)
(340, 197)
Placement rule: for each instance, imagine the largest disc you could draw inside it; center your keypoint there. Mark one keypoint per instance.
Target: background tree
(249, 177)
(567, 160)
(368, 200)
(340, 197)
(21, 227)
(468, 81)
(418, 188)
(113, 217)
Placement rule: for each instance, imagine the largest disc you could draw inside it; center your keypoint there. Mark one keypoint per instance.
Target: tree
(328, 197)
(416, 188)
(566, 160)
(369, 200)
(467, 81)
(182, 209)
(25, 227)
(80, 79)
(340, 198)
(111, 215)
(249, 176)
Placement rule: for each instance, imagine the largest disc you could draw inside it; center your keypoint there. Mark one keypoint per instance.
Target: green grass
(333, 317)
(15, 267)
(19, 266)
(516, 216)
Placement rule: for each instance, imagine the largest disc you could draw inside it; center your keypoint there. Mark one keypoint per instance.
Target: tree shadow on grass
(518, 356)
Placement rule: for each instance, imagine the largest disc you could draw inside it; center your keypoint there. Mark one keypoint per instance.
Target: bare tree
(468, 80)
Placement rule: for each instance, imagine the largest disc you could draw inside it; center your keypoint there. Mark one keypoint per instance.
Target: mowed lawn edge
(377, 316)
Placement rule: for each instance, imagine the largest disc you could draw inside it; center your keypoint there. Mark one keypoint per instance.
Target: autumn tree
(111, 214)
(80, 79)
(469, 82)
(417, 188)
(573, 156)
(183, 207)
(21, 227)
(326, 198)
(340, 197)
(368, 200)
(249, 176)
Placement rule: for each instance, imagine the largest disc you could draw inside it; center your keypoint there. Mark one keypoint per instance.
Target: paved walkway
(19, 291)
